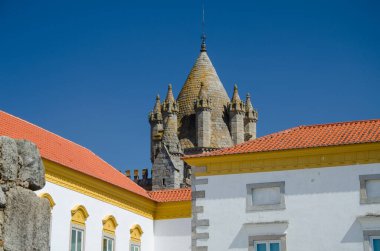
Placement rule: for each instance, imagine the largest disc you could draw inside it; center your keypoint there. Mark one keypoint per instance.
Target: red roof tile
(171, 195)
(343, 133)
(66, 153)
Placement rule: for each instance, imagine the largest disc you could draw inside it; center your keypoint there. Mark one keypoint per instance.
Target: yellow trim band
(287, 159)
(106, 192)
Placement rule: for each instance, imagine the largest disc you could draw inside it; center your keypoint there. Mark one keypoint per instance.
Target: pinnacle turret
(250, 112)
(156, 114)
(250, 119)
(170, 105)
(202, 102)
(236, 104)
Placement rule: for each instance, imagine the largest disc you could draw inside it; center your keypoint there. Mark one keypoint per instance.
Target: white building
(307, 188)
(96, 207)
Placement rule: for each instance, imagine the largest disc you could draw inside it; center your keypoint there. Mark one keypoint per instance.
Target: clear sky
(89, 70)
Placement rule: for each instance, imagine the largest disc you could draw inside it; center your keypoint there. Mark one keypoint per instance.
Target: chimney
(145, 174)
(128, 173)
(135, 175)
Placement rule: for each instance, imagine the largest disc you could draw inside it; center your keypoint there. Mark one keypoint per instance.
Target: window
(77, 240)
(109, 229)
(266, 196)
(135, 241)
(108, 244)
(375, 243)
(79, 216)
(267, 245)
(369, 188)
(371, 237)
(135, 247)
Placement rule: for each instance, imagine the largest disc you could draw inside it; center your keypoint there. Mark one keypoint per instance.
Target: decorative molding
(49, 198)
(79, 215)
(136, 232)
(316, 157)
(109, 224)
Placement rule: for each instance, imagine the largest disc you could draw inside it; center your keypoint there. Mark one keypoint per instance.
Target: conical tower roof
(203, 71)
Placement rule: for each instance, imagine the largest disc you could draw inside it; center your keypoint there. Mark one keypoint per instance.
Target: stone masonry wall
(24, 217)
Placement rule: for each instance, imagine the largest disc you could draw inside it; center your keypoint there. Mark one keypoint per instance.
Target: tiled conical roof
(203, 71)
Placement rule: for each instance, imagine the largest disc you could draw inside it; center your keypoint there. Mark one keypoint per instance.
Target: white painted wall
(172, 235)
(322, 206)
(66, 200)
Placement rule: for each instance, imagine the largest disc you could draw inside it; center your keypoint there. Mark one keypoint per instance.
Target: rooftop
(320, 135)
(69, 154)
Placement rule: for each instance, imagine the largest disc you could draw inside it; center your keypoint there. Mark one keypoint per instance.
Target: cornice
(287, 159)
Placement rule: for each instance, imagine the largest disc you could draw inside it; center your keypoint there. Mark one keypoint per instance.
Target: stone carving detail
(24, 217)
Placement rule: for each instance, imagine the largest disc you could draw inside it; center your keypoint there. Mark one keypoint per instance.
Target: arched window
(52, 204)
(135, 241)
(79, 216)
(109, 229)
(49, 198)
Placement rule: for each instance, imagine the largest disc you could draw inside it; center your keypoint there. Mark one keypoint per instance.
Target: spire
(203, 37)
(157, 105)
(250, 112)
(203, 44)
(235, 96)
(202, 101)
(170, 105)
(248, 103)
(236, 103)
(169, 95)
(156, 114)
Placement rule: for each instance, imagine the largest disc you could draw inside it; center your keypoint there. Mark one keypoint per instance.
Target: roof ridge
(341, 122)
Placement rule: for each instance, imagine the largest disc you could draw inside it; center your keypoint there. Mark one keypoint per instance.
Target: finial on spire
(203, 36)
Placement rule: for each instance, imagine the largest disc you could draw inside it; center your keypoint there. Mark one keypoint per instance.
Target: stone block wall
(24, 217)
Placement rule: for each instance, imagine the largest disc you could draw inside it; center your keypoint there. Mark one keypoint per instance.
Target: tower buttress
(156, 129)
(167, 170)
(203, 118)
(236, 111)
(250, 119)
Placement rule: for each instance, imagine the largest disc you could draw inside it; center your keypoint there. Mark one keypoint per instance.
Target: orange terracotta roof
(334, 134)
(62, 151)
(171, 195)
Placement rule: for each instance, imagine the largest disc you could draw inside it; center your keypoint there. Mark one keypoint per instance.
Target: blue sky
(89, 70)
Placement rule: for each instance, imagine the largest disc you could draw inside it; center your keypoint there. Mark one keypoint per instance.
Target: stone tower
(202, 118)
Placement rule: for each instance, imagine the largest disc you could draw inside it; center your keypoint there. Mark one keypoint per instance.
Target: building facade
(306, 188)
(96, 207)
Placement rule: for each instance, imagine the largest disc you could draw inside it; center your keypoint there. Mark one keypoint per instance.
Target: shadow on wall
(354, 233)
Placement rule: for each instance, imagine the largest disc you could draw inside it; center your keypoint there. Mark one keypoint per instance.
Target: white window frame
(133, 244)
(77, 228)
(108, 238)
(250, 206)
(371, 238)
(363, 189)
(259, 239)
(267, 244)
